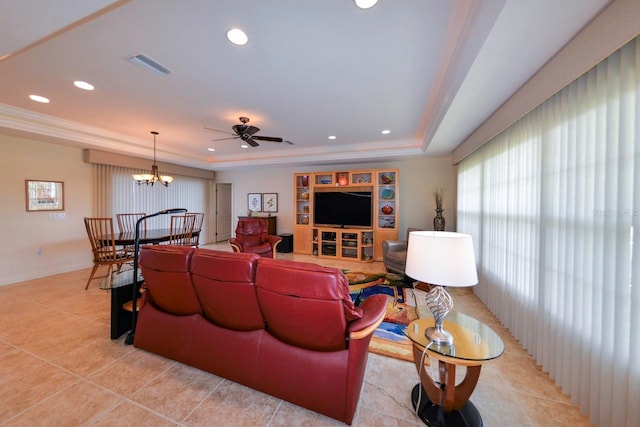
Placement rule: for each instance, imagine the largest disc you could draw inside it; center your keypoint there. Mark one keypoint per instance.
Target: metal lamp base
(440, 303)
(439, 336)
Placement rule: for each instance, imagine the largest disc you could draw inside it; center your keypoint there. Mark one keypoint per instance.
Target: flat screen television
(343, 208)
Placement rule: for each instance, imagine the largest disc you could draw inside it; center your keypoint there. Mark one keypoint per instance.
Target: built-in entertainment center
(345, 215)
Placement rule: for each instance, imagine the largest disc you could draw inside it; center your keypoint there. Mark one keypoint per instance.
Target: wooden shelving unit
(355, 244)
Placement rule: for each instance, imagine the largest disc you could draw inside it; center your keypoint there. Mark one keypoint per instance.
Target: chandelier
(154, 176)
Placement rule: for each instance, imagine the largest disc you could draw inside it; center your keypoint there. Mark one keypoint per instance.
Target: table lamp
(441, 259)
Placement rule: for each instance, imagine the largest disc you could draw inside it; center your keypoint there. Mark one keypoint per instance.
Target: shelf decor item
(386, 178)
(439, 221)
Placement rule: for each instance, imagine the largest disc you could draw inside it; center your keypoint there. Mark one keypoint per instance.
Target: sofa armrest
(236, 245)
(273, 240)
(394, 246)
(373, 311)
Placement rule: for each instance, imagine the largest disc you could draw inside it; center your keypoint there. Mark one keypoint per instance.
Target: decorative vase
(305, 180)
(387, 210)
(438, 221)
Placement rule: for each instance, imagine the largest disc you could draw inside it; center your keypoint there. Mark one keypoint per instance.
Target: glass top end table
(439, 398)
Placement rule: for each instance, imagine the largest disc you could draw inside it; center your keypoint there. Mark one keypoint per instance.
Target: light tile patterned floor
(59, 367)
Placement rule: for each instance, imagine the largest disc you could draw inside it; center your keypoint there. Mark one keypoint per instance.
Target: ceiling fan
(247, 133)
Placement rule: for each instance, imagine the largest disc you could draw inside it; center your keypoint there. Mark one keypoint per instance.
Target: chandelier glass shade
(154, 176)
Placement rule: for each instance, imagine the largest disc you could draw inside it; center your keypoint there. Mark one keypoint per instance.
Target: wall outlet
(58, 216)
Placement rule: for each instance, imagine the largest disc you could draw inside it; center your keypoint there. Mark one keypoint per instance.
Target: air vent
(143, 61)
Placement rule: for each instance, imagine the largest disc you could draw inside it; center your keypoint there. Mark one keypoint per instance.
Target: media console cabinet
(346, 242)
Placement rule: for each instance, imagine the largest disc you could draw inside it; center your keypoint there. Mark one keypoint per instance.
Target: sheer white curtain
(553, 203)
(118, 193)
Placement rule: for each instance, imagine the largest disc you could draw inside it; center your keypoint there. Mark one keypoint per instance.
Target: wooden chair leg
(93, 272)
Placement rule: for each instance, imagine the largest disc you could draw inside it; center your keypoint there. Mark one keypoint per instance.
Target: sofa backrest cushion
(224, 283)
(305, 305)
(251, 232)
(167, 278)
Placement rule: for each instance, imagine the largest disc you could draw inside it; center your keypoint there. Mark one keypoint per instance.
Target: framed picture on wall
(270, 202)
(255, 202)
(44, 195)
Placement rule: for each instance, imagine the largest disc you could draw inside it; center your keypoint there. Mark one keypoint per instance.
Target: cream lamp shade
(441, 258)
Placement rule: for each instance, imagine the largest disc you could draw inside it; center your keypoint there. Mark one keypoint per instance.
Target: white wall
(64, 243)
(419, 176)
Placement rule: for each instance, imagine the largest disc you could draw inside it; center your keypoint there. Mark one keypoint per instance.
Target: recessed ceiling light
(211, 149)
(237, 37)
(365, 4)
(39, 98)
(332, 137)
(244, 146)
(386, 132)
(83, 85)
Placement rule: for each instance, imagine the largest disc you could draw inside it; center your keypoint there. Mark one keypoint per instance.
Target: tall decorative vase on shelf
(438, 221)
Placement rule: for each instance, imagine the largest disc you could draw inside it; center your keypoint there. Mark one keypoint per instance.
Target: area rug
(389, 339)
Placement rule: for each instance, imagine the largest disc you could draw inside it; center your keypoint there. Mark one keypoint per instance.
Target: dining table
(147, 237)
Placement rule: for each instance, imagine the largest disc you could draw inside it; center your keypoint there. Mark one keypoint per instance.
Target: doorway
(223, 212)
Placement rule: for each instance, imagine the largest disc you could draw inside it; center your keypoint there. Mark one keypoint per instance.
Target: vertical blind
(116, 192)
(553, 203)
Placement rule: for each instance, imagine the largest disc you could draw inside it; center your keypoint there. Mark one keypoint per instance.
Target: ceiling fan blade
(251, 142)
(224, 139)
(251, 130)
(267, 138)
(218, 130)
(290, 142)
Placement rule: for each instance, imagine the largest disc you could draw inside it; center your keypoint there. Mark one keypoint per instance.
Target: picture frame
(270, 202)
(44, 195)
(254, 202)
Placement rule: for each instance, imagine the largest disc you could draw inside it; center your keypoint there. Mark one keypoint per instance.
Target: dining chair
(181, 229)
(105, 252)
(197, 227)
(127, 224)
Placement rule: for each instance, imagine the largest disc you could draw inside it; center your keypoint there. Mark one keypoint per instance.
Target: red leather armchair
(252, 237)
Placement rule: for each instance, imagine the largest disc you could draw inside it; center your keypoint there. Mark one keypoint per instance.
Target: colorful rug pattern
(389, 339)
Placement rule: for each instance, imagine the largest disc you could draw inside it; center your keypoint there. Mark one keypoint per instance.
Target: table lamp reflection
(441, 259)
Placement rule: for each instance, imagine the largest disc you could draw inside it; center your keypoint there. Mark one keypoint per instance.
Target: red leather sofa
(285, 328)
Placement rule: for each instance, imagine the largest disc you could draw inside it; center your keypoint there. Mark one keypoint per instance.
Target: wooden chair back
(197, 227)
(103, 246)
(181, 229)
(127, 222)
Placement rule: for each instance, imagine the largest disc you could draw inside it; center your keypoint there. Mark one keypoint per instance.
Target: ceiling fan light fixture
(365, 4)
(237, 37)
(386, 132)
